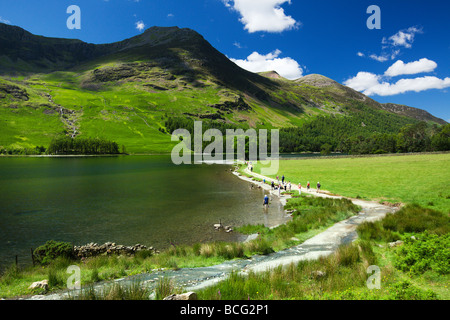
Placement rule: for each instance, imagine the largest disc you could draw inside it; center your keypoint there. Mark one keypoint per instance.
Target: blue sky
(407, 61)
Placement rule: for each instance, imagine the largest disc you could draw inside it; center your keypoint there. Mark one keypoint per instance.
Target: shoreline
(301, 156)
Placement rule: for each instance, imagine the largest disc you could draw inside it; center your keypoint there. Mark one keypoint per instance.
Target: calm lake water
(126, 200)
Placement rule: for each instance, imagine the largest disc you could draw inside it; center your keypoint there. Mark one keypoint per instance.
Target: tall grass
(327, 277)
(116, 291)
(409, 219)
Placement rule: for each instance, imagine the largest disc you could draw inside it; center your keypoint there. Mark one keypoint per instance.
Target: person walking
(282, 179)
(318, 187)
(308, 186)
(266, 201)
(289, 186)
(300, 189)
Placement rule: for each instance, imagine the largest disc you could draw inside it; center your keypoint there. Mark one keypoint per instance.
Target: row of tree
(79, 145)
(22, 151)
(365, 132)
(418, 137)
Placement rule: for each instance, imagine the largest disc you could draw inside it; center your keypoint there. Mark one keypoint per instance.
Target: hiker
(290, 186)
(266, 201)
(273, 185)
(308, 186)
(318, 187)
(279, 190)
(300, 189)
(282, 179)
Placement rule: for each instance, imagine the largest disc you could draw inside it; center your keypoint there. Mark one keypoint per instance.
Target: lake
(125, 199)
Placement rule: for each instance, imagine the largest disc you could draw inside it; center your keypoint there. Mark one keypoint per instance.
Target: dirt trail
(323, 244)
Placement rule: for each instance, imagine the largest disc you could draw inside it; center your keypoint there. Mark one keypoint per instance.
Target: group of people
(308, 187)
(287, 186)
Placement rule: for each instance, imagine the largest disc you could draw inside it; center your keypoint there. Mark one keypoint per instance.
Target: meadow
(423, 179)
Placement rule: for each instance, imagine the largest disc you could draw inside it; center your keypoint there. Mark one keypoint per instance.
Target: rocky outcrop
(15, 91)
(239, 105)
(109, 248)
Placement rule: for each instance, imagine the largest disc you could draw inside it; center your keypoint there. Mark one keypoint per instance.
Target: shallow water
(126, 200)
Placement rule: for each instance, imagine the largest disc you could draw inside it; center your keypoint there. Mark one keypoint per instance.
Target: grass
(344, 274)
(420, 179)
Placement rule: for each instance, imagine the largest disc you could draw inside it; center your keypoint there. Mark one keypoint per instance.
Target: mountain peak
(271, 74)
(317, 80)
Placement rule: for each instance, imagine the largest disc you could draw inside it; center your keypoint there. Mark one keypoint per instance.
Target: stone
(395, 244)
(39, 285)
(183, 297)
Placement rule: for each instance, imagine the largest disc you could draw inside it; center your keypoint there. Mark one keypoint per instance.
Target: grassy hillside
(126, 91)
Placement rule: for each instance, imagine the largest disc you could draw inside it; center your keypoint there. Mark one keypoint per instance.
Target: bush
(404, 290)
(51, 250)
(429, 252)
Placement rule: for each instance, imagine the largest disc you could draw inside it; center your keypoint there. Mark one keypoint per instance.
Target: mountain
(126, 91)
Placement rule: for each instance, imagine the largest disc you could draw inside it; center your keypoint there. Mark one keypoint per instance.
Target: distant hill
(126, 91)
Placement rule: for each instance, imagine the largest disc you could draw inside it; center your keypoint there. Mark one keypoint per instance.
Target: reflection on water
(127, 200)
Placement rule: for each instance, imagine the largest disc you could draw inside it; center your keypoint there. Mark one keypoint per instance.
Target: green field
(421, 179)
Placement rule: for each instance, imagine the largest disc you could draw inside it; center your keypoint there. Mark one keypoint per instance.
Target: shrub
(404, 290)
(52, 250)
(429, 252)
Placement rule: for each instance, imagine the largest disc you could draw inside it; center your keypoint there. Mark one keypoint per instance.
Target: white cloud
(400, 68)
(403, 38)
(263, 15)
(170, 15)
(285, 67)
(390, 46)
(381, 58)
(360, 54)
(363, 81)
(140, 25)
(371, 84)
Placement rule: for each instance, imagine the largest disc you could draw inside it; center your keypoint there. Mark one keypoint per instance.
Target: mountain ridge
(127, 90)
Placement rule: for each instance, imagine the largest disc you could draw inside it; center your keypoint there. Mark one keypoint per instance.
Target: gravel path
(323, 244)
